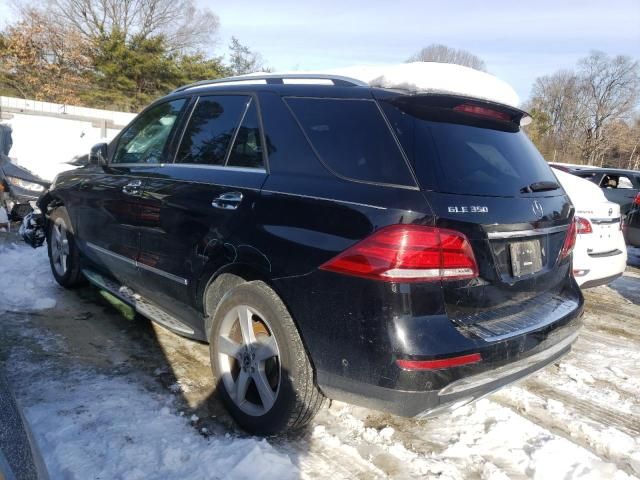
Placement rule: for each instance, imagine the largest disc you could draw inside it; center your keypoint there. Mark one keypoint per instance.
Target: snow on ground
(577, 419)
(87, 423)
(25, 280)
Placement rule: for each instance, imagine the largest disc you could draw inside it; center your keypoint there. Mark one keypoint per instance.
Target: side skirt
(142, 306)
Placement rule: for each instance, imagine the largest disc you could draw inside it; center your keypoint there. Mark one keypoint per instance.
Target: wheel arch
(214, 285)
(220, 283)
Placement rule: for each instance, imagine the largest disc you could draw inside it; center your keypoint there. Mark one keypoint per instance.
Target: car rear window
(352, 139)
(466, 159)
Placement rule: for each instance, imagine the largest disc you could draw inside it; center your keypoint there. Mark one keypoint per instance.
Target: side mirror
(98, 154)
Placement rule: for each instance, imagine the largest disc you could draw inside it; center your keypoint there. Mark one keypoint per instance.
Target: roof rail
(277, 79)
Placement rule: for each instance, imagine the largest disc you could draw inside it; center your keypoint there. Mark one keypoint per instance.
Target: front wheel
(264, 375)
(64, 256)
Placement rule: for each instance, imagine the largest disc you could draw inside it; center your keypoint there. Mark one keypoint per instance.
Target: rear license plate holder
(526, 257)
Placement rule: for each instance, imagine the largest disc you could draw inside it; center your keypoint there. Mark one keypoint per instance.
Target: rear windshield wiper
(540, 187)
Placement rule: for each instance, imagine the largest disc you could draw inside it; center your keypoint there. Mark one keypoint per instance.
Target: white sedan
(600, 254)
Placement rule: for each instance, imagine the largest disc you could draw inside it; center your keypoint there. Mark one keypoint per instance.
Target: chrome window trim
(527, 233)
(137, 264)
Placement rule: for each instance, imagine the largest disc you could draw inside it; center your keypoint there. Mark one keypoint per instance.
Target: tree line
(113, 54)
(589, 115)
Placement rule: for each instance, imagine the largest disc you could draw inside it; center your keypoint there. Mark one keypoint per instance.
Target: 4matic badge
(469, 209)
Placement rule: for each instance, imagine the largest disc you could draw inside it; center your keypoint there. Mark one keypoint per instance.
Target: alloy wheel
(59, 247)
(249, 360)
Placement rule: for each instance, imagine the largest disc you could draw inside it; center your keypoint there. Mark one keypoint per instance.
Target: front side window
(211, 129)
(352, 139)
(145, 139)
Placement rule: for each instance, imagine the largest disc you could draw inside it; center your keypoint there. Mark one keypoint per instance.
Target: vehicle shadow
(181, 366)
(633, 256)
(628, 287)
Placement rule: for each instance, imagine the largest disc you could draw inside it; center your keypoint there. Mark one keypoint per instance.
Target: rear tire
(267, 383)
(64, 256)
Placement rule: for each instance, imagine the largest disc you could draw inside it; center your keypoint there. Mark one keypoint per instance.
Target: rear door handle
(133, 188)
(227, 201)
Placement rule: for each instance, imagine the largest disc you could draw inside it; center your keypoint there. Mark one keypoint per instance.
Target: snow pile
(26, 282)
(484, 440)
(432, 77)
(87, 423)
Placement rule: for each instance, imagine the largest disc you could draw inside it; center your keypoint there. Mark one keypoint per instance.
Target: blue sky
(518, 40)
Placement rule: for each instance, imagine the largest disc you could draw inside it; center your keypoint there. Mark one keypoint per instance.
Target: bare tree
(611, 88)
(184, 26)
(585, 116)
(559, 100)
(443, 54)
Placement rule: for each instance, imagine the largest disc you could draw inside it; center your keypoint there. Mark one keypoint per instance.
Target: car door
(110, 211)
(197, 212)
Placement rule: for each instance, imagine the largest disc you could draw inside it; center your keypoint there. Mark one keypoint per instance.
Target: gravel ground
(109, 397)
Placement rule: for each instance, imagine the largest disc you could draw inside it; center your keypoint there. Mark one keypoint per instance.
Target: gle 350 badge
(469, 209)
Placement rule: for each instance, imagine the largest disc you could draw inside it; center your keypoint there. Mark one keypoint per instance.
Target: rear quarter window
(352, 139)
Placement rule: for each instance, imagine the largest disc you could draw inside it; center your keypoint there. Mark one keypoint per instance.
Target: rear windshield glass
(352, 139)
(469, 160)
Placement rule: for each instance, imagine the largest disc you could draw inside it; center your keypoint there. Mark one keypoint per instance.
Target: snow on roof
(432, 77)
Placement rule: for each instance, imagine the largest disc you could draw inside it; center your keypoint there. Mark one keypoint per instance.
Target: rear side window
(469, 160)
(211, 129)
(352, 139)
(614, 181)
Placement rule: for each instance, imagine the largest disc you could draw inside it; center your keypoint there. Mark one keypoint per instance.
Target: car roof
(608, 170)
(337, 91)
(315, 85)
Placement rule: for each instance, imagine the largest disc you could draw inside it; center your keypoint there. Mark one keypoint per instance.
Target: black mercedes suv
(401, 251)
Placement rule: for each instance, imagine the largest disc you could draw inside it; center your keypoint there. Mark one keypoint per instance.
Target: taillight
(583, 225)
(636, 200)
(570, 240)
(408, 253)
(482, 112)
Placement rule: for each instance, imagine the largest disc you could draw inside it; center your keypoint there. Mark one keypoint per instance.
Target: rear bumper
(599, 269)
(355, 330)
(456, 394)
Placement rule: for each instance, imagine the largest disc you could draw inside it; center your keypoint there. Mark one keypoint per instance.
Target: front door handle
(227, 201)
(132, 188)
